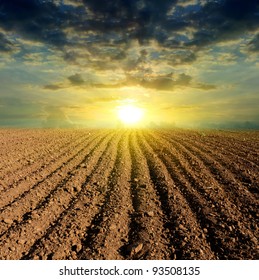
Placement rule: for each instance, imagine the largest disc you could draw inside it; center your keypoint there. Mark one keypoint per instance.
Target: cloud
(105, 29)
(168, 82)
(186, 3)
(6, 46)
(223, 20)
(53, 87)
(148, 80)
(76, 80)
(239, 9)
(34, 20)
(205, 86)
(181, 108)
(102, 46)
(129, 19)
(253, 45)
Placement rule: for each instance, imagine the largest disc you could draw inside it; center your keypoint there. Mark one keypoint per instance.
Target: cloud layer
(194, 47)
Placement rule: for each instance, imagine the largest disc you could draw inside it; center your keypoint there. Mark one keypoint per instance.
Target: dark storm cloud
(239, 9)
(45, 21)
(91, 25)
(139, 16)
(144, 20)
(223, 20)
(35, 20)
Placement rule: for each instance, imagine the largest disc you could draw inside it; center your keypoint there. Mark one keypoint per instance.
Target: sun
(130, 114)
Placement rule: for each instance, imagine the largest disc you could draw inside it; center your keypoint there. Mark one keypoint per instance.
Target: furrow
(39, 170)
(228, 235)
(187, 239)
(224, 143)
(70, 228)
(220, 179)
(54, 173)
(42, 154)
(244, 169)
(146, 237)
(109, 229)
(37, 221)
(75, 194)
(245, 173)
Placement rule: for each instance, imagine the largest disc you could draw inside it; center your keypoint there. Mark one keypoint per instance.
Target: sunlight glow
(130, 114)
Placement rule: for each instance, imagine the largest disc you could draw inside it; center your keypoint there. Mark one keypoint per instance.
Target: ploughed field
(128, 194)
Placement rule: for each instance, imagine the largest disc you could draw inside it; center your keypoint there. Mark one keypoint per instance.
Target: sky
(75, 63)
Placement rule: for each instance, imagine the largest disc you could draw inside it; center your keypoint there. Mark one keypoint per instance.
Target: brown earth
(129, 194)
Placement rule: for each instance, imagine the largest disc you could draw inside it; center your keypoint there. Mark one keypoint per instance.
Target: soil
(76, 194)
